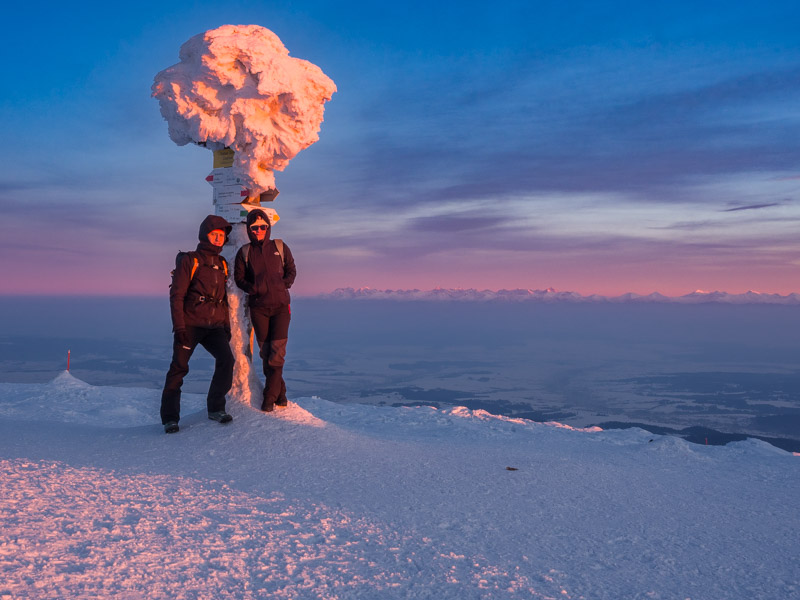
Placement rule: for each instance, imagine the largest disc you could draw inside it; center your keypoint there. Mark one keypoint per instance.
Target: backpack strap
(196, 264)
(278, 245)
(179, 258)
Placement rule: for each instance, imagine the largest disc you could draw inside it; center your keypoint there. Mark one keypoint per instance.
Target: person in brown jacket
(199, 305)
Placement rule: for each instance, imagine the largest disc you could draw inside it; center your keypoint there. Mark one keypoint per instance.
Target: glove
(182, 338)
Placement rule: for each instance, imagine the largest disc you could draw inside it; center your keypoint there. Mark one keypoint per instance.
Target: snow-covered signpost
(237, 92)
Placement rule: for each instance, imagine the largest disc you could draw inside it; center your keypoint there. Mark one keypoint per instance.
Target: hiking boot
(282, 402)
(267, 406)
(171, 427)
(220, 416)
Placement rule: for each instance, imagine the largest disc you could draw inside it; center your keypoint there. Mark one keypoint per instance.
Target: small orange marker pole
(67, 361)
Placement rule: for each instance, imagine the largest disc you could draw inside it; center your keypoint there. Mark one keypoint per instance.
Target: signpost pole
(233, 202)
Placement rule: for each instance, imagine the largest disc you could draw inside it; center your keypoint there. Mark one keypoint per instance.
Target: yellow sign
(223, 158)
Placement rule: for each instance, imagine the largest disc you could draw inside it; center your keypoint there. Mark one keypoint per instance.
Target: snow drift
(236, 86)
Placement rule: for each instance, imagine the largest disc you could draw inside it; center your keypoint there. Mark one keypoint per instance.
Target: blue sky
(595, 147)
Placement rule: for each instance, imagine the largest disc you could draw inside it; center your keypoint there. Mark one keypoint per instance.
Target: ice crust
(236, 86)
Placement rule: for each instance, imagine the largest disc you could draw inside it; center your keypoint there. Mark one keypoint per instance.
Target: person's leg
(277, 339)
(260, 318)
(178, 368)
(216, 342)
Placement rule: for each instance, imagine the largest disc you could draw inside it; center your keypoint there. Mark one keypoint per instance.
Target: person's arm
(227, 325)
(181, 279)
(240, 273)
(289, 270)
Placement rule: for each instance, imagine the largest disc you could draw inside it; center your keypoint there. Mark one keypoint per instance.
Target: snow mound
(236, 86)
(426, 422)
(67, 399)
(298, 415)
(66, 380)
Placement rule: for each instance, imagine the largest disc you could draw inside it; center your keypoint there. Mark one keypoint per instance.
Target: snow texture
(325, 500)
(236, 86)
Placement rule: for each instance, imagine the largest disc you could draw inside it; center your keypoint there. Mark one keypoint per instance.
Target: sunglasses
(258, 227)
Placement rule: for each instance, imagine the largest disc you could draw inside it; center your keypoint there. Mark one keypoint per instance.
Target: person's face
(217, 237)
(259, 229)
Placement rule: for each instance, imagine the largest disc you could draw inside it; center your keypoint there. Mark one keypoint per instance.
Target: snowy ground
(326, 500)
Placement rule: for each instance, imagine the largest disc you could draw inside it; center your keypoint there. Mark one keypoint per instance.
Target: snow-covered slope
(326, 500)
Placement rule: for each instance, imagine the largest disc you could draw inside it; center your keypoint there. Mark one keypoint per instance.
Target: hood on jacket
(209, 224)
(252, 217)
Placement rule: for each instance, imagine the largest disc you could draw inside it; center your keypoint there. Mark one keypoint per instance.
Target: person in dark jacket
(264, 270)
(199, 305)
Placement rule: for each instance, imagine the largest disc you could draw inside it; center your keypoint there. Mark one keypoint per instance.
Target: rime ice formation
(246, 385)
(236, 86)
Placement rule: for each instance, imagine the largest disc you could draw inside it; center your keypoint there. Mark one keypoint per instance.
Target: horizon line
(475, 294)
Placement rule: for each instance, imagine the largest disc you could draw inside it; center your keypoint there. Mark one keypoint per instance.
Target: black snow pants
(216, 342)
(271, 326)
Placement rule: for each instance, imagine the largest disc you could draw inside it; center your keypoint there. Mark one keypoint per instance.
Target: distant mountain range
(552, 295)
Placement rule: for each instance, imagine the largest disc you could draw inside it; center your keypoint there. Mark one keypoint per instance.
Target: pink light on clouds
(125, 254)
(606, 275)
(69, 263)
